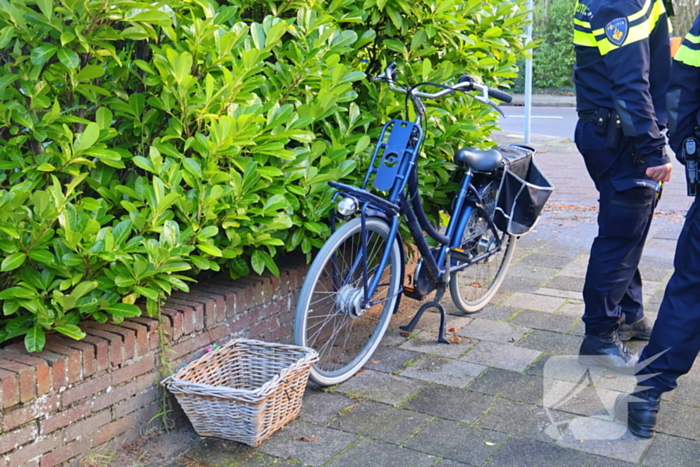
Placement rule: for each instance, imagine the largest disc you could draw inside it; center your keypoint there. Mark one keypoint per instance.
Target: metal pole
(528, 79)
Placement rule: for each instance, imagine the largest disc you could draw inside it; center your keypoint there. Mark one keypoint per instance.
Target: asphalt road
(549, 121)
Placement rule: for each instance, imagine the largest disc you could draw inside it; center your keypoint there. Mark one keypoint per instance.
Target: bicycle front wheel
(330, 318)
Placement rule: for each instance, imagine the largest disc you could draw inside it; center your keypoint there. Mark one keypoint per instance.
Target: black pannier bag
(523, 192)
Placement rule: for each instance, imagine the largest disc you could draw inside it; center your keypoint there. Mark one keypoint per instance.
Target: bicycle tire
(325, 310)
(471, 293)
(473, 287)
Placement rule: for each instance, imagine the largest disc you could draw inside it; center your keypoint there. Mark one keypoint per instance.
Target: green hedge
(144, 143)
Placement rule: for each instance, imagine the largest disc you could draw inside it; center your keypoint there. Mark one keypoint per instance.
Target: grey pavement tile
(368, 452)
(562, 282)
(522, 283)
(522, 452)
(655, 269)
(579, 329)
(448, 463)
(430, 321)
(607, 462)
(660, 248)
(551, 342)
(494, 331)
(538, 259)
(390, 360)
(426, 342)
(380, 421)
(393, 338)
(574, 270)
(524, 420)
(509, 385)
(380, 387)
(532, 242)
(572, 308)
(457, 441)
(450, 403)
(544, 321)
(604, 438)
(215, 452)
(495, 312)
(443, 371)
(688, 393)
(671, 451)
(562, 249)
(541, 273)
(322, 407)
(501, 296)
(288, 443)
(529, 301)
(505, 356)
(572, 294)
(679, 420)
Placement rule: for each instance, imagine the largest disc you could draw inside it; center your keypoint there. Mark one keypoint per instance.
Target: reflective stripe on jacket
(623, 61)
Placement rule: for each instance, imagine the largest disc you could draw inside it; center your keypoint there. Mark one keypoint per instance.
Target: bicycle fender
(382, 215)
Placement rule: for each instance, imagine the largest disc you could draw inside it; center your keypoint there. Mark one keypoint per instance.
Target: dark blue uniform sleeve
(683, 98)
(623, 31)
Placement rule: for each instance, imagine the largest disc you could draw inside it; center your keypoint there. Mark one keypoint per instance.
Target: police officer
(675, 339)
(621, 74)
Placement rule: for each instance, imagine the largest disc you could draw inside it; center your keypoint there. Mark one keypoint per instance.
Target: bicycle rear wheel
(473, 287)
(329, 318)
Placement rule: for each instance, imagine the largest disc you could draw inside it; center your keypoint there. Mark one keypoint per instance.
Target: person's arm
(683, 98)
(623, 32)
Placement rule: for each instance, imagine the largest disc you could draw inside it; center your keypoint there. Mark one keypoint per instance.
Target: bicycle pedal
(460, 255)
(412, 293)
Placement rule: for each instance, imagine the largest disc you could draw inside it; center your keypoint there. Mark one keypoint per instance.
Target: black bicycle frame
(394, 167)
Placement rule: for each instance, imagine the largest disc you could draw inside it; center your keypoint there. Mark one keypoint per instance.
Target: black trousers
(613, 286)
(675, 339)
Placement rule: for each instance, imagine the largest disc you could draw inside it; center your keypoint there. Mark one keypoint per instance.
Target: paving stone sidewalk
(507, 394)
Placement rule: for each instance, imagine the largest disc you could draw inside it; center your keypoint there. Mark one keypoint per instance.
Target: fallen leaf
(359, 373)
(489, 444)
(404, 334)
(610, 376)
(476, 285)
(376, 362)
(512, 339)
(580, 441)
(452, 330)
(395, 373)
(307, 439)
(455, 339)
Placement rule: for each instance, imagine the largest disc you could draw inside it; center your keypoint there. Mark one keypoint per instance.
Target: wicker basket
(243, 391)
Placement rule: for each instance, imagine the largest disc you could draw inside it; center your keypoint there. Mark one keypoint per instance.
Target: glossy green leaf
(13, 261)
(35, 339)
(70, 330)
(68, 57)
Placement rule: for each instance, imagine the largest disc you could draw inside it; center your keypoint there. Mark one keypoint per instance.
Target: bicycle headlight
(347, 207)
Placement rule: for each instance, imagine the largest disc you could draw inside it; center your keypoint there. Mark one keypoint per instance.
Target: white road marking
(537, 116)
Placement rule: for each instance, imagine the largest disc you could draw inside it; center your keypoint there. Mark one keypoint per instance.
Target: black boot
(639, 410)
(640, 329)
(607, 350)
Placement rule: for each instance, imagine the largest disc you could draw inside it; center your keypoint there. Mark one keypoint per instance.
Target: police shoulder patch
(616, 31)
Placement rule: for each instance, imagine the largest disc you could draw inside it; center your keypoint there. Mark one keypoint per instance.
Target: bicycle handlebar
(465, 84)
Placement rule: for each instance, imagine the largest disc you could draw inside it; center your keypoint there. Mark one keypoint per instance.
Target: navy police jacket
(623, 62)
(683, 98)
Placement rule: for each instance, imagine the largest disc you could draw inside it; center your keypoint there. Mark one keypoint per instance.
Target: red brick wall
(78, 397)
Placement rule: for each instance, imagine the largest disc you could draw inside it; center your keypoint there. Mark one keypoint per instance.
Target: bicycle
(355, 283)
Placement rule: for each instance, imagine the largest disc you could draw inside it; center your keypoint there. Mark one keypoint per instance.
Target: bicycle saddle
(482, 160)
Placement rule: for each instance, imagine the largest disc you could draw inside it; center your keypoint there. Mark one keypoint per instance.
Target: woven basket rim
(176, 384)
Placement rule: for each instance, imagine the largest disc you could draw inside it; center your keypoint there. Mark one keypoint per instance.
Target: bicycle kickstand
(434, 304)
